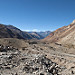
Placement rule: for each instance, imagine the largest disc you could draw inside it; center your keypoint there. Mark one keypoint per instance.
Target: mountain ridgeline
(40, 35)
(63, 35)
(9, 31)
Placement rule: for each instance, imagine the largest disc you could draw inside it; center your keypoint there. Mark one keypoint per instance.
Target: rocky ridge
(64, 35)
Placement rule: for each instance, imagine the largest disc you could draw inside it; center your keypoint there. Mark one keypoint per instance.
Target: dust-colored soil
(36, 58)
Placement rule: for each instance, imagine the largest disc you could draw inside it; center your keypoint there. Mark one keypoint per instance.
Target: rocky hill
(44, 33)
(10, 31)
(14, 29)
(65, 34)
(7, 33)
(40, 35)
(36, 35)
(28, 35)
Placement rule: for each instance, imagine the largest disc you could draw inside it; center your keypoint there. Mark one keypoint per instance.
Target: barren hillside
(64, 34)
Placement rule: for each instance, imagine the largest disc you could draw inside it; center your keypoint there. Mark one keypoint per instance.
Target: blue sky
(37, 15)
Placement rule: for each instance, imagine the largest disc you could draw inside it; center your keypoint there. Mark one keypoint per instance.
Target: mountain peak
(73, 21)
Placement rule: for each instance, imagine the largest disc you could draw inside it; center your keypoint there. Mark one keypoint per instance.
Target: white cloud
(34, 30)
(27, 30)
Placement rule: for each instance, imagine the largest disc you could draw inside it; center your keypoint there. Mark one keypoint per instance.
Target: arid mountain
(7, 33)
(44, 34)
(65, 34)
(40, 35)
(28, 35)
(14, 29)
(36, 35)
(33, 57)
(24, 34)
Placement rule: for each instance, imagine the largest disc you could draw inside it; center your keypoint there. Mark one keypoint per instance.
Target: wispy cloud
(27, 30)
(34, 30)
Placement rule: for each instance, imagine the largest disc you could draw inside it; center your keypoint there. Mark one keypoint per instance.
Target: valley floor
(36, 58)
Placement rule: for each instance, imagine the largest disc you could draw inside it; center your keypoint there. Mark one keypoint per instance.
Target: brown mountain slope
(7, 33)
(62, 34)
(70, 38)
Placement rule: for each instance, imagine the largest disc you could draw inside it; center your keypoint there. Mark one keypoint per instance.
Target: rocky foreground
(35, 59)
